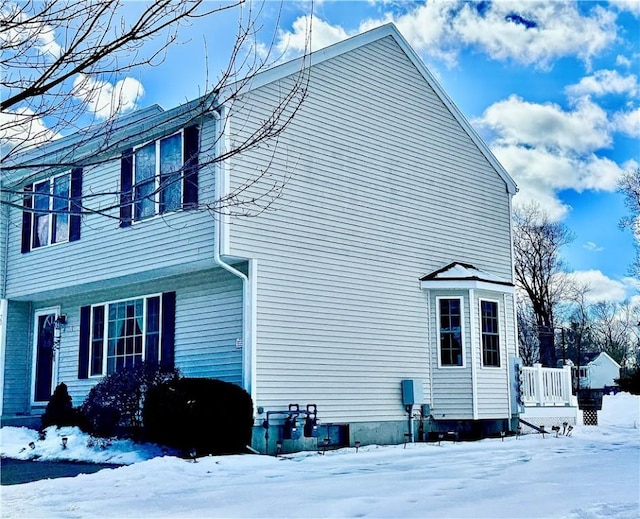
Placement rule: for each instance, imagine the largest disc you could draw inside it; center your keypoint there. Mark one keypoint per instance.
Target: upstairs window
(450, 331)
(160, 177)
(490, 333)
(52, 211)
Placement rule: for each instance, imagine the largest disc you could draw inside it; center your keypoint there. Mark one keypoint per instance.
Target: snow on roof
(464, 272)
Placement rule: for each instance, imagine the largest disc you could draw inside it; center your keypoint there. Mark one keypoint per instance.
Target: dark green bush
(208, 415)
(60, 411)
(630, 381)
(113, 407)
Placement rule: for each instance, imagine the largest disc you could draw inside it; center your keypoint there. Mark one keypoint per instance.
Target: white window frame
(462, 333)
(33, 230)
(500, 340)
(105, 337)
(156, 177)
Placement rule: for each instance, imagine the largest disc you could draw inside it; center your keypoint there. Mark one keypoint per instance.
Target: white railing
(547, 386)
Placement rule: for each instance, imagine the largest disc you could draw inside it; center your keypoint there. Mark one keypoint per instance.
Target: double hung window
(158, 177)
(52, 211)
(51, 204)
(450, 331)
(490, 333)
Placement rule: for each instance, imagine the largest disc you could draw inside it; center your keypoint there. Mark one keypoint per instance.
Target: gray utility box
(412, 391)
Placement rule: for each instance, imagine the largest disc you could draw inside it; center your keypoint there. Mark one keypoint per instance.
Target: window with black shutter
(52, 210)
(160, 176)
(122, 334)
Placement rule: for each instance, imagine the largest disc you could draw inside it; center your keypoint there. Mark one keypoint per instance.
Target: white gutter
(220, 245)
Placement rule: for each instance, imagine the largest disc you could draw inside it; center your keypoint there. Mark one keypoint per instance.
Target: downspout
(220, 221)
(4, 303)
(513, 278)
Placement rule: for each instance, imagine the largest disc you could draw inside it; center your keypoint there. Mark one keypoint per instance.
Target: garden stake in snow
(290, 427)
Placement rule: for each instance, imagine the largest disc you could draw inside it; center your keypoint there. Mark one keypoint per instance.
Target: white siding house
(385, 257)
(601, 371)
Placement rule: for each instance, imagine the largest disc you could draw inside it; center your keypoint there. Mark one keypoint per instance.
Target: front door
(45, 353)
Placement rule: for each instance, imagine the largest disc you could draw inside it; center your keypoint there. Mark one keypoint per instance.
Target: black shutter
(191, 144)
(152, 344)
(85, 339)
(126, 188)
(27, 218)
(168, 329)
(76, 204)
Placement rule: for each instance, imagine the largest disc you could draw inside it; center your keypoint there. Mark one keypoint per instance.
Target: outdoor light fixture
(192, 454)
(357, 444)
(278, 447)
(502, 433)
(61, 321)
(64, 442)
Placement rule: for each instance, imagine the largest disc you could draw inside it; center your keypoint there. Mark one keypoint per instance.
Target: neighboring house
(599, 372)
(387, 256)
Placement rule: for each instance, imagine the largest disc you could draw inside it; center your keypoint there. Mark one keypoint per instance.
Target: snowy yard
(593, 473)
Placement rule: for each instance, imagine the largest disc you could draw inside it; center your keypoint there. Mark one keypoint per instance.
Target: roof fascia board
(314, 58)
(466, 284)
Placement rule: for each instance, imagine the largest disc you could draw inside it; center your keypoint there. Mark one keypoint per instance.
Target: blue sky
(553, 87)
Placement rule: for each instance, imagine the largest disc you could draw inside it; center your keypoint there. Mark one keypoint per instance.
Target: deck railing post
(540, 389)
(567, 383)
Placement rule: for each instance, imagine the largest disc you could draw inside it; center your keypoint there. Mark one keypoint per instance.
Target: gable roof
(388, 30)
(457, 271)
(151, 122)
(459, 275)
(593, 358)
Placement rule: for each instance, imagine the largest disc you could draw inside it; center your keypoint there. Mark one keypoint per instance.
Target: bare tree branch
(539, 271)
(56, 82)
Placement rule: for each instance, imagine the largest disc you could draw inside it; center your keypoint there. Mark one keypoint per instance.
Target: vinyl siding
(18, 359)
(383, 187)
(208, 322)
(452, 394)
(493, 400)
(107, 255)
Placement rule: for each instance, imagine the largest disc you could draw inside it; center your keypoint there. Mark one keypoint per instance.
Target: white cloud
(105, 99)
(603, 288)
(520, 122)
(535, 33)
(295, 42)
(590, 246)
(603, 82)
(632, 6)
(622, 61)
(24, 129)
(628, 122)
(28, 33)
(47, 44)
(548, 149)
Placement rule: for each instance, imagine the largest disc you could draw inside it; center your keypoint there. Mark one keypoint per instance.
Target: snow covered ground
(593, 473)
